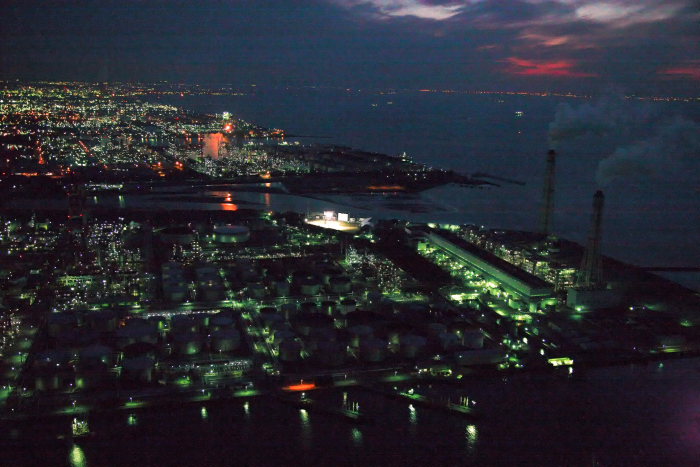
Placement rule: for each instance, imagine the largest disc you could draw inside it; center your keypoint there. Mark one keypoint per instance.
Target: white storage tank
(138, 369)
(328, 307)
(359, 333)
(289, 310)
(280, 335)
(134, 333)
(435, 329)
(412, 345)
(448, 340)
(290, 350)
(102, 320)
(340, 285)
(281, 288)
(256, 290)
(218, 322)
(187, 343)
(373, 349)
(225, 340)
(61, 323)
(473, 338)
(184, 323)
(308, 307)
(310, 286)
(230, 233)
(331, 353)
(96, 356)
(347, 305)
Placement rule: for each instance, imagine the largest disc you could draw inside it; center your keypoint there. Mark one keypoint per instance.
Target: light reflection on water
(472, 436)
(305, 429)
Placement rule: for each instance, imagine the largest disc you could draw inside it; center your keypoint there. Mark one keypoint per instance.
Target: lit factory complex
(111, 305)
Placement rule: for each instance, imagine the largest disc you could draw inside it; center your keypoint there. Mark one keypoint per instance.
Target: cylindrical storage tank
(139, 348)
(308, 307)
(225, 340)
(305, 324)
(102, 320)
(435, 329)
(137, 333)
(359, 333)
(280, 335)
(92, 378)
(340, 285)
(175, 292)
(231, 233)
(159, 322)
(270, 319)
(49, 380)
(289, 310)
(211, 293)
(330, 353)
(290, 350)
(220, 322)
(256, 290)
(61, 323)
(96, 356)
(138, 369)
(323, 334)
(347, 305)
(52, 359)
(411, 345)
(373, 349)
(448, 341)
(328, 307)
(310, 286)
(188, 343)
(184, 323)
(281, 288)
(473, 338)
(202, 321)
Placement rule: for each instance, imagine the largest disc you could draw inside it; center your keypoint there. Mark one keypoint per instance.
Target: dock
(419, 399)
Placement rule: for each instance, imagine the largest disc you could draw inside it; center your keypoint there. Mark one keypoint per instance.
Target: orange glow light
(228, 207)
(300, 387)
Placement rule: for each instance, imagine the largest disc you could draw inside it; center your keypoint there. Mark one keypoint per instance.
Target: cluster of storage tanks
(335, 333)
(207, 286)
(91, 349)
(275, 281)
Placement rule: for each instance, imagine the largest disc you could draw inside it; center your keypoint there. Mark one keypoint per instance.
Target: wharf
(310, 404)
(419, 399)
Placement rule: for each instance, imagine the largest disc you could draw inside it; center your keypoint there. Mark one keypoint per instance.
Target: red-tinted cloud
(692, 72)
(558, 68)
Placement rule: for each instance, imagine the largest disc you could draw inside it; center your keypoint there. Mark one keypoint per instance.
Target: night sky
(647, 46)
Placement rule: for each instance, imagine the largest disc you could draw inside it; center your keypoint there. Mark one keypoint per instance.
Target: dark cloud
(646, 45)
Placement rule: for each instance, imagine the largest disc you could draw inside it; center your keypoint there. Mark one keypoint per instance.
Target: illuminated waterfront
(617, 416)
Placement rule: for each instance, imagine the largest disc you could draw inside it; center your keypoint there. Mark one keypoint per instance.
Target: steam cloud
(674, 151)
(647, 147)
(612, 114)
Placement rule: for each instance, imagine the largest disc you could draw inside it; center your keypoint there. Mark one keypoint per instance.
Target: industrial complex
(120, 306)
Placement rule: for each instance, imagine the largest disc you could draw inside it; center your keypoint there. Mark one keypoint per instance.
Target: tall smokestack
(548, 194)
(590, 273)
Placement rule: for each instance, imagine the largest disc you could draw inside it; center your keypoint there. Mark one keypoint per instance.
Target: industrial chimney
(548, 194)
(590, 274)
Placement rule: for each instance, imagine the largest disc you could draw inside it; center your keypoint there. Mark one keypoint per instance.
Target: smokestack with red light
(590, 274)
(548, 194)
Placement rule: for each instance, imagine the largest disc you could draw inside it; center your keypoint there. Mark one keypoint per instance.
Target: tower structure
(548, 194)
(590, 274)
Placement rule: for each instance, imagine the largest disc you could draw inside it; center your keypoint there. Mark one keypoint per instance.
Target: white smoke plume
(612, 114)
(672, 152)
(638, 141)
